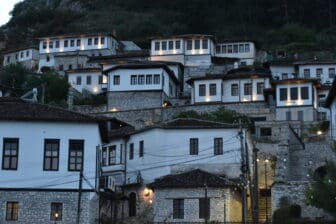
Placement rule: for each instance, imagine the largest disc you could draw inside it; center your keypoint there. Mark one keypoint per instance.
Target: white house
(182, 145)
(245, 51)
(296, 99)
(238, 85)
(67, 52)
(282, 69)
(322, 70)
(27, 56)
(141, 85)
(189, 49)
(87, 79)
(44, 150)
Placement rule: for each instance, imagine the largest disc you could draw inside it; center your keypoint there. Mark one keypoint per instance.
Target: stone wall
(35, 206)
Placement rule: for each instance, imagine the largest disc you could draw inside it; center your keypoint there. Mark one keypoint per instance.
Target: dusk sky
(5, 9)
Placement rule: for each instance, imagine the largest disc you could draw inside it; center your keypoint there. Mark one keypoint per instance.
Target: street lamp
(266, 196)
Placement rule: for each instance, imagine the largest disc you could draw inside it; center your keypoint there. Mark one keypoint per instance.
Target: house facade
(28, 57)
(189, 50)
(69, 52)
(245, 51)
(140, 157)
(87, 79)
(238, 85)
(44, 150)
(141, 85)
(330, 104)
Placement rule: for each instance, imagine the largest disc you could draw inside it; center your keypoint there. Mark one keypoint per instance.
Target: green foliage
(287, 213)
(91, 100)
(322, 193)
(220, 115)
(16, 80)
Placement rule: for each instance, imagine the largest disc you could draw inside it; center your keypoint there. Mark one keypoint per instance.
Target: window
(234, 89)
(157, 45)
(193, 146)
(304, 93)
(102, 40)
(66, 43)
(288, 115)
(61, 67)
(104, 156)
(178, 208)
(205, 44)
(141, 148)
(133, 79)
(100, 79)
(265, 131)
(248, 89)
(72, 43)
(131, 152)
(112, 158)
(241, 48)
(197, 44)
(213, 89)
(148, 79)
(47, 58)
(204, 208)
(218, 146)
(171, 45)
(51, 44)
(21, 54)
(318, 72)
(229, 49)
(88, 80)
(331, 72)
(235, 48)
(141, 80)
(16, 56)
(12, 210)
(44, 45)
(8, 59)
(218, 49)
(96, 40)
(116, 80)
(132, 205)
(10, 153)
(177, 44)
(51, 154)
(164, 45)
(56, 211)
(90, 41)
(306, 73)
(156, 79)
(27, 53)
(260, 87)
(201, 90)
(284, 76)
(78, 42)
(170, 89)
(300, 115)
(283, 94)
(189, 45)
(76, 155)
(79, 80)
(294, 93)
(70, 67)
(247, 47)
(224, 48)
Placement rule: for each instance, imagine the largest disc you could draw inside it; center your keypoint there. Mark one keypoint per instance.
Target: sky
(6, 7)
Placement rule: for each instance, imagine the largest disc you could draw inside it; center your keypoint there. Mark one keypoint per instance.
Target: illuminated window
(12, 210)
(56, 211)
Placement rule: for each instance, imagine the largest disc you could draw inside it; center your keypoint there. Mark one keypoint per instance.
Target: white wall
(166, 148)
(278, 70)
(94, 87)
(299, 102)
(31, 136)
(222, 50)
(333, 119)
(207, 97)
(125, 80)
(20, 56)
(160, 51)
(325, 71)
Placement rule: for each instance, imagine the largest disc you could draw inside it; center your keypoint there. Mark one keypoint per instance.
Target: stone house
(137, 158)
(44, 150)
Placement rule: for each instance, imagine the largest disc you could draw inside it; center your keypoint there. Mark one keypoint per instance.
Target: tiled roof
(19, 110)
(192, 179)
(331, 95)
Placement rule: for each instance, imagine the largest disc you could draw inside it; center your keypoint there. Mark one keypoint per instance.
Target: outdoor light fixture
(319, 132)
(146, 192)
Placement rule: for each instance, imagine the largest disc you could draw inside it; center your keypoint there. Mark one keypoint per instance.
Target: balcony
(114, 168)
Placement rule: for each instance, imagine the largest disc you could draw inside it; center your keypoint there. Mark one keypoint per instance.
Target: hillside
(300, 24)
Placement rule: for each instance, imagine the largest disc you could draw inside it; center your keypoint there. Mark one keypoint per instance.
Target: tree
(322, 193)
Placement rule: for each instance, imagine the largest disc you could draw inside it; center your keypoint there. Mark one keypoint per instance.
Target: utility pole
(79, 194)
(243, 173)
(255, 186)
